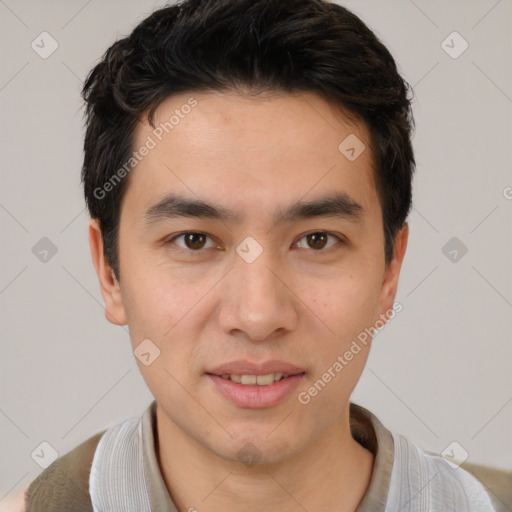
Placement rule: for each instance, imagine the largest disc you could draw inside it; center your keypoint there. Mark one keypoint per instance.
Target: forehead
(251, 152)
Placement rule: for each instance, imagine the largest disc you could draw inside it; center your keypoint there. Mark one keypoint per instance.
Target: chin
(257, 451)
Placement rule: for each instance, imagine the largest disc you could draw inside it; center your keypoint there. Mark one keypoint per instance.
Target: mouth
(256, 380)
(244, 368)
(256, 386)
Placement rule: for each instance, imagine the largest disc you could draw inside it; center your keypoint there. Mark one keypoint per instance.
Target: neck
(332, 473)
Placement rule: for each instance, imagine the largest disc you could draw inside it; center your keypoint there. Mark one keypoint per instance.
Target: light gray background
(439, 372)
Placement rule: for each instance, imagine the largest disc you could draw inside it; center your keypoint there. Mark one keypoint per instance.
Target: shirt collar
(366, 429)
(369, 432)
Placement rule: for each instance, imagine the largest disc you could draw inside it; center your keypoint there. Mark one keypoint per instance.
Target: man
(248, 172)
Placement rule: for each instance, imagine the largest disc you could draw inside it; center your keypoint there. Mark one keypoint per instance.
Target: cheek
(157, 300)
(161, 312)
(345, 312)
(169, 311)
(345, 306)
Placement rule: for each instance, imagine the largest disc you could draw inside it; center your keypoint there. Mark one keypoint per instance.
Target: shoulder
(497, 482)
(475, 478)
(64, 485)
(430, 478)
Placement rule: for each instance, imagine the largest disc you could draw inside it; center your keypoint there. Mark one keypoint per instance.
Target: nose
(257, 301)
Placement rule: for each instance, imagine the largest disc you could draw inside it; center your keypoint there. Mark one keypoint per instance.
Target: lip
(255, 396)
(243, 367)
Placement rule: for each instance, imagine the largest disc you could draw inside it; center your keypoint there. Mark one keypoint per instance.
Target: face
(251, 244)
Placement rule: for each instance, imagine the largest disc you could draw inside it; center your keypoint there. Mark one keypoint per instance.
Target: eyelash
(171, 240)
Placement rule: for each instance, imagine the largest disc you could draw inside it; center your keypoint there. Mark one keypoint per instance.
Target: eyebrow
(337, 205)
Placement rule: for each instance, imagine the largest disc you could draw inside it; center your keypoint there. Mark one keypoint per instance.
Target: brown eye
(192, 241)
(317, 240)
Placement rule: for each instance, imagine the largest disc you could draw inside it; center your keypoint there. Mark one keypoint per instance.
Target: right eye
(192, 241)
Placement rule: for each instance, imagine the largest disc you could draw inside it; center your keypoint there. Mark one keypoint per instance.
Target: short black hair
(252, 45)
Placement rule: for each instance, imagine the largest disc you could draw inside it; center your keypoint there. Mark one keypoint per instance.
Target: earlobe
(392, 273)
(109, 286)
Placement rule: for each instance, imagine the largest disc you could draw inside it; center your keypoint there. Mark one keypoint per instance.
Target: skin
(15, 501)
(294, 302)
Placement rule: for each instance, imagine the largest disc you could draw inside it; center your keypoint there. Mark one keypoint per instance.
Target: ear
(392, 273)
(110, 289)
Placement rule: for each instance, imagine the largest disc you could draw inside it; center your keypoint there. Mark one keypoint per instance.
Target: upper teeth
(260, 380)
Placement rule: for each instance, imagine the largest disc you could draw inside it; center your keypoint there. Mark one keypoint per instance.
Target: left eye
(192, 240)
(318, 240)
